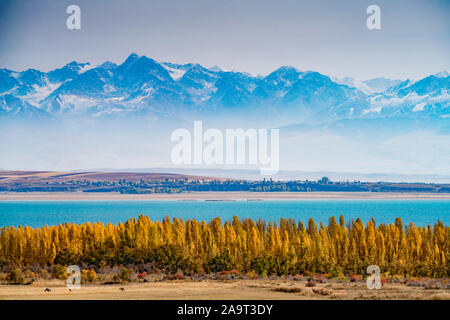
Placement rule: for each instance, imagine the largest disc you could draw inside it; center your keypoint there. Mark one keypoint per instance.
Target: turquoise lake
(41, 213)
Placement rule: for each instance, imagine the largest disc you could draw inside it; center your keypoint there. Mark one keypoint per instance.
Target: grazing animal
(47, 290)
(122, 289)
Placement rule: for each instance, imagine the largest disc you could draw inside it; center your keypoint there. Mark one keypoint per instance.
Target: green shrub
(59, 272)
(336, 273)
(126, 274)
(16, 277)
(88, 275)
(220, 263)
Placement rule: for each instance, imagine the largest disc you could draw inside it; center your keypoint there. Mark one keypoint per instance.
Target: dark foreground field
(230, 289)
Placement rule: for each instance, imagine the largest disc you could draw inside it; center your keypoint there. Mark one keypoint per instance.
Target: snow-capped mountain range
(141, 85)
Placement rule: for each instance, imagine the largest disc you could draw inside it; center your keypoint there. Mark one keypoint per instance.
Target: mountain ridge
(145, 86)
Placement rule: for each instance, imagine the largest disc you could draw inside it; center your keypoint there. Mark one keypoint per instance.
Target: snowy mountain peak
(108, 65)
(216, 69)
(141, 84)
(442, 74)
(355, 83)
(381, 84)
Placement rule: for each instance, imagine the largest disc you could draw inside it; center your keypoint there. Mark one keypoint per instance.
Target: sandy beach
(217, 196)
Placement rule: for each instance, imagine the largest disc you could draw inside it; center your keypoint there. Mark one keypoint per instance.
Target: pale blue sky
(255, 36)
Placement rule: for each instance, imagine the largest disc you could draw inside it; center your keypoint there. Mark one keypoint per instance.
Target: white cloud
(419, 107)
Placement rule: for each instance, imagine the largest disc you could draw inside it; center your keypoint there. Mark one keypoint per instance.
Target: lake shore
(220, 196)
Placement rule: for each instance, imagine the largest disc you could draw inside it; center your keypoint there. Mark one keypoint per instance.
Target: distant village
(180, 185)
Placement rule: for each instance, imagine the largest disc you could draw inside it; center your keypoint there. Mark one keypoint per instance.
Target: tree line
(286, 247)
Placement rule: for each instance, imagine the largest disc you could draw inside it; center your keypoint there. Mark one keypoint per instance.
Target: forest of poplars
(285, 248)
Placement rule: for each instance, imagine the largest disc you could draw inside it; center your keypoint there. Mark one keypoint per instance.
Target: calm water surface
(40, 213)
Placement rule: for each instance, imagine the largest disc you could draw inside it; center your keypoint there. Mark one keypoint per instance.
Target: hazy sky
(255, 36)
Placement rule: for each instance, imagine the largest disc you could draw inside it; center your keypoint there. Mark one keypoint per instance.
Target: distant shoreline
(221, 196)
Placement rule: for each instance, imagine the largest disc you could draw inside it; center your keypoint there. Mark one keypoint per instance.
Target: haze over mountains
(142, 86)
(122, 116)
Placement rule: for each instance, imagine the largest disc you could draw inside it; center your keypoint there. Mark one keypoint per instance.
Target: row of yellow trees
(267, 248)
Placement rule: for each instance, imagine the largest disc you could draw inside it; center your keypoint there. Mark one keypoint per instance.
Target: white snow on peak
(215, 69)
(15, 74)
(354, 83)
(442, 74)
(87, 67)
(419, 107)
(176, 74)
